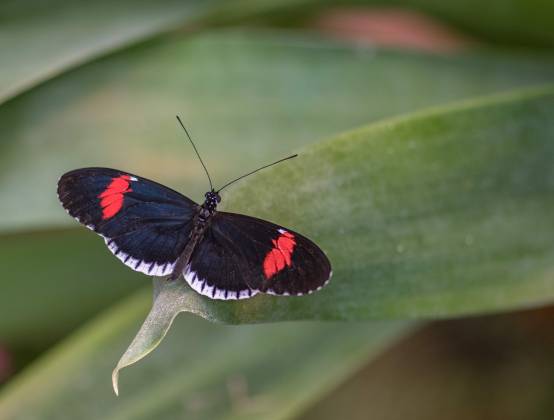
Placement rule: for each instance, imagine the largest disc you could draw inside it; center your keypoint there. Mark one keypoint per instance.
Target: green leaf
(439, 214)
(40, 40)
(167, 302)
(203, 371)
(237, 92)
(247, 97)
(442, 213)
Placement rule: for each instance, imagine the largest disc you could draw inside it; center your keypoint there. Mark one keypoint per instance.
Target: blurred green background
(426, 137)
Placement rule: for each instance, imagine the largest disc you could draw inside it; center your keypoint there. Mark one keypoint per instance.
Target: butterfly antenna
(253, 172)
(197, 154)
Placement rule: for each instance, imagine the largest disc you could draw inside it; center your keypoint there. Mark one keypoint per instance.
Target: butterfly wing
(242, 255)
(217, 270)
(144, 224)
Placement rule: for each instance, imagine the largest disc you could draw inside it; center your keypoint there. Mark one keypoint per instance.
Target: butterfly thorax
(211, 201)
(201, 221)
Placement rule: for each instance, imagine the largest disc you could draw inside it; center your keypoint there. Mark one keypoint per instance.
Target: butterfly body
(160, 232)
(201, 222)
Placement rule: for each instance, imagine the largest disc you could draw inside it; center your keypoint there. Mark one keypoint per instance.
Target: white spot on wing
(200, 286)
(141, 266)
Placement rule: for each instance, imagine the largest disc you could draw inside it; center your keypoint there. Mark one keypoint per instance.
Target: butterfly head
(211, 201)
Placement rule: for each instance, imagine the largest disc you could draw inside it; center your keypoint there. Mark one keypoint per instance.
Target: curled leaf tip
(165, 307)
(115, 380)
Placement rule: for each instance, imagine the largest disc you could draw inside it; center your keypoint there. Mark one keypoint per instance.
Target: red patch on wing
(111, 199)
(279, 256)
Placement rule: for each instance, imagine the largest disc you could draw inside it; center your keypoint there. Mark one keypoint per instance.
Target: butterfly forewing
(145, 224)
(242, 255)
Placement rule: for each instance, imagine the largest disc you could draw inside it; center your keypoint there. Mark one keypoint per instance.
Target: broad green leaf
(237, 92)
(39, 40)
(248, 98)
(439, 214)
(203, 371)
(442, 213)
(43, 39)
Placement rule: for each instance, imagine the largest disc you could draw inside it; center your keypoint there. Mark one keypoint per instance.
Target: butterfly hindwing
(144, 224)
(215, 270)
(241, 253)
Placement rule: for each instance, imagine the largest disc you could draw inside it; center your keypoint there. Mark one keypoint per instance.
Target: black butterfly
(158, 231)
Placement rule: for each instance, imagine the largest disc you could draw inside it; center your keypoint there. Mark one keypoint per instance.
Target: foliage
(441, 212)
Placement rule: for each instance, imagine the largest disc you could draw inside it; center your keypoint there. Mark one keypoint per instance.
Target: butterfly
(160, 232)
